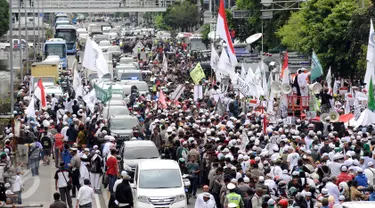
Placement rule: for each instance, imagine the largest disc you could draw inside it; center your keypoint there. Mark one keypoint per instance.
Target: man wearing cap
(361, 178)
(205, 199)
(96, 165)
(370, 173)
(123, 191)
(232, 197)
(344, 176)
(75, 164)
(307, 201)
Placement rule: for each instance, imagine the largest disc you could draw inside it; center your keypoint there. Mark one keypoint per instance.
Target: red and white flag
(223, 32)
(40, 94)
(285, 70)
(162, 100)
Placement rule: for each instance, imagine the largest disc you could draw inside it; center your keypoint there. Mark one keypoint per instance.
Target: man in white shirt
(292, 159)
(302, 82)
(332, 189)
(205, 200)
(85, 195)
(17, 185)
(64, 130)
(370, 173)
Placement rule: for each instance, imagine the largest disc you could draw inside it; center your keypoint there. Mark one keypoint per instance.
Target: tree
(246, 27)
(4, 17)
(160, 24)
(182, 16)
(324, 26)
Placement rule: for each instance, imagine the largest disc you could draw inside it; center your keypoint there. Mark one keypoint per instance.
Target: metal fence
(102, 4)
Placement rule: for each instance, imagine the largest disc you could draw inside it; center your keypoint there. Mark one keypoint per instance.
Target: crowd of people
(235, 153)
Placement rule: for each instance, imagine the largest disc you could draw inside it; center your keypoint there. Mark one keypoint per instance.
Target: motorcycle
(187, 184)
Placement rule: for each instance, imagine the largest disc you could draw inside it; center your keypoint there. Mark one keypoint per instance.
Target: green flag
(316, 67)
(371, 99)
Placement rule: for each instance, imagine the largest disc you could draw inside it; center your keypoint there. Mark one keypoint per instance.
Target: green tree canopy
(182, 15)
(326, 26)
(4, 17)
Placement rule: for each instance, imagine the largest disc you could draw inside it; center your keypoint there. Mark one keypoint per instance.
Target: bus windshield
(55, 49)
(69, 35)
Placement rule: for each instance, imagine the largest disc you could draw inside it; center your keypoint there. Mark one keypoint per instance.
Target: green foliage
(160, 24)
(327, 26)
(205, 32)
(49, 33)
(4, 17)
(182, 15)
(246, 27)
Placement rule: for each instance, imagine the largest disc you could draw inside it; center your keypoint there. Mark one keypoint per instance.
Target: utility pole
(20, 45)
(27, 39)
(43, 36)
(35, 47)
(11, 56)
(38, 5)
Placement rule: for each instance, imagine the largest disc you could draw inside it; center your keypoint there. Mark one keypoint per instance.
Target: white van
(158, 183)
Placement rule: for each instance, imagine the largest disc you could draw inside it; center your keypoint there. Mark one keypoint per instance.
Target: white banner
(165, 64)
(177, 93)
(198, 92)
(94, 59)
(247, 89)
(90, 100)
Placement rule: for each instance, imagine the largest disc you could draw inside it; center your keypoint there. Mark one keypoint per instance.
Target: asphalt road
(40, 189)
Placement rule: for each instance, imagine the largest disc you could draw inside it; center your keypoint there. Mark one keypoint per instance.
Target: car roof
(157, 164)
(139, 143)
(118, 117)
(355, 204)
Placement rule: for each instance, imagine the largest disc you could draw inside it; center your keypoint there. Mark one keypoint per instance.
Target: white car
(53, 89)
(158, 183)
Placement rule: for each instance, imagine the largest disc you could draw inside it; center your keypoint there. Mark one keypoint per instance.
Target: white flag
(243, 72)
(347, 107)
(30, 111)
(90, 99)
(76, 80)
(250, 76)
(165, 64)
(94, 59)
(214, 58)
(225, 67)
(329, 79)
(370, 68)
(258, 76)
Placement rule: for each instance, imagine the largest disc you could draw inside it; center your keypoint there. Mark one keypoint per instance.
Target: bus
(62, 22)
(56, 47)
(69, 34)
(60, 16)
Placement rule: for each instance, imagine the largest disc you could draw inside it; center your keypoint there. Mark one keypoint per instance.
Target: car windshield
(115, 111)
(69, 35)
(163, 178)
(123, 124)
(56, 49)
(131, 76)
(141, 152)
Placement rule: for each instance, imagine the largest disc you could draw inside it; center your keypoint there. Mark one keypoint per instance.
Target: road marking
(97, 201)
(33, 188)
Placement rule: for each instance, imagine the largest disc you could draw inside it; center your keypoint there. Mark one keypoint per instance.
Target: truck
(56, 47)
(16, 44)
(47, 68)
